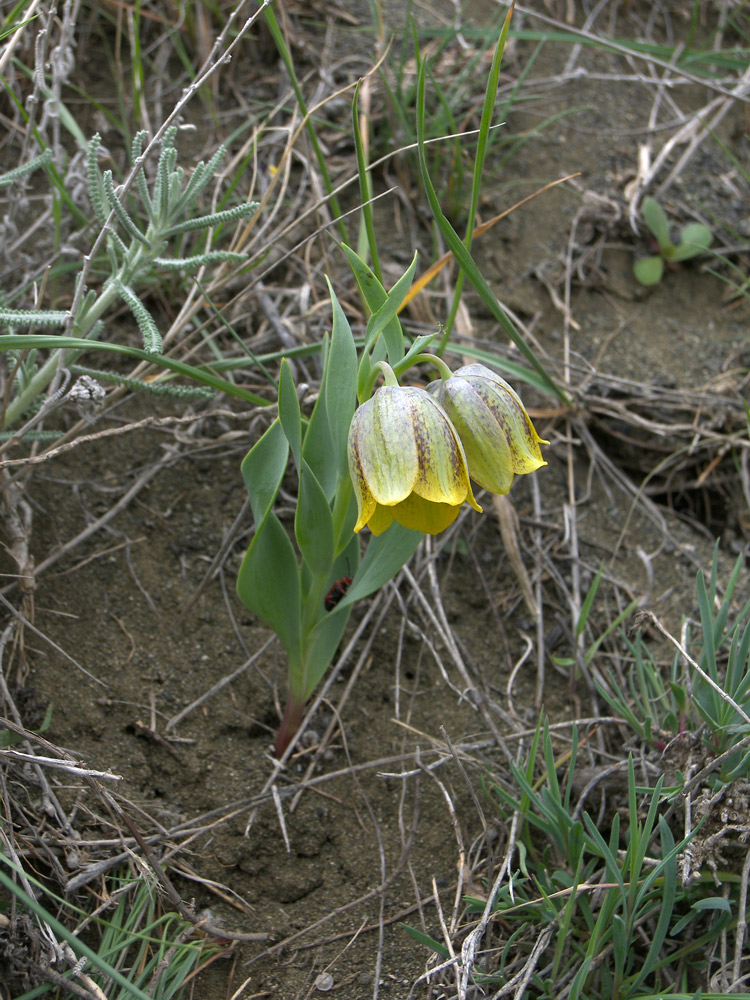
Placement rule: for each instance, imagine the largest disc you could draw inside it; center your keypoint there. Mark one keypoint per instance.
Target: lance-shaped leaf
(320, 649)
(317, 448)
(382, 321)
(340, 384)
(263, 469)
(268, 584)
(289, 412)
(313, 524)
(376, 297)
(655, 218)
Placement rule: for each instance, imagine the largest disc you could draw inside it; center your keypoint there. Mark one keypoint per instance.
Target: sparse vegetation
(555, 710)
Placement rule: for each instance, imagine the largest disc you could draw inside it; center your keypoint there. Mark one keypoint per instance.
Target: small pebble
(324, 982)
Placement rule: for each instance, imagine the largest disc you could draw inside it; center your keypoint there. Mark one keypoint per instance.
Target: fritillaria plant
(393, 458)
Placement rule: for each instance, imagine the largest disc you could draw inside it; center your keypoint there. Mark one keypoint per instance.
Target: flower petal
(443, 476)
(487, 450)
(365, 500)
(497, 435)
(381, 519)
(406, 462)
(424, 515)
(386, 445)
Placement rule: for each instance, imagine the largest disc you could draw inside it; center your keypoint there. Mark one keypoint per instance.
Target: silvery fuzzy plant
(136, 253)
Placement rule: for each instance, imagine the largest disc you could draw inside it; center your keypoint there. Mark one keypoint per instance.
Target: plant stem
(290, 723)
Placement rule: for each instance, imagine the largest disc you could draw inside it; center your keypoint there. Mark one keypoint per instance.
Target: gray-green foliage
(155, 388)
(596, 944)
(593, 907)
(137, 248)
(10, 176)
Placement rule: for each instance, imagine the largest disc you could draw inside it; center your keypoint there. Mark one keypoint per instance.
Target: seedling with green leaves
(285, 582)
(694, 239)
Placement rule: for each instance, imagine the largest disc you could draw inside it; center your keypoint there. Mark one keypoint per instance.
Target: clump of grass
(705, 699)
(129, 948)
(629, 879)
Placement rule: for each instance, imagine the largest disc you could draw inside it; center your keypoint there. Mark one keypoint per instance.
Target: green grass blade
(365, 188)
(666, 904)
(488, 108)
(62, 932)
(286, 58)
(21, 342)
(465, 261)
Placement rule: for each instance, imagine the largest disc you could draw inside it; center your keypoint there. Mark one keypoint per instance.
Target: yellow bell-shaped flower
(497, 434)
(406, 462)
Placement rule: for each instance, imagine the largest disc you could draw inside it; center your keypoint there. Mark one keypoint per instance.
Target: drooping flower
(498, 436)
(406, 462)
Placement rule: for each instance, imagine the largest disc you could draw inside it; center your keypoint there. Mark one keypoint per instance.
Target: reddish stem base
(293, 713)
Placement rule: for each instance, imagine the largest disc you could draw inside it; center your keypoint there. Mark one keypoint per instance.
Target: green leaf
(9, 176)
(713, 903)
(317, 448)
(367, 364)
(649, 270)
(619, 944)
(668, 869)
(320, 648)
(419, 345)
(587, 602)
(464, 258)
(427, 941)
(28, 903)
(144, 319)
(289, 412)
(376, 298)
(268, 584)
(14, 27)
(695, 238)
(120, 211)
(370, 287)
(488, 114)
(340, 384)
(33, 317)
(263, 469)
(385, 319)
(656, 220)
(385, 556)
(29, 341)
(313, 524)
